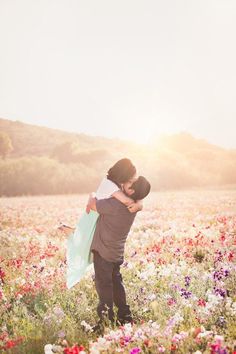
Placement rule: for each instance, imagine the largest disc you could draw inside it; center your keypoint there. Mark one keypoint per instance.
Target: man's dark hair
(141, 188)
(121, 172)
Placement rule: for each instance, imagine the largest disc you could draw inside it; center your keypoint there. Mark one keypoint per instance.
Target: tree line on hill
(37, 160)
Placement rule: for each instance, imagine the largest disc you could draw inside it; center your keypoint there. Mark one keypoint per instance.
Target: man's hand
(134, 207)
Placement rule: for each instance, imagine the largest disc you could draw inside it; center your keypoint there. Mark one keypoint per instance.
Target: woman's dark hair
(121, 172)
(141, 188)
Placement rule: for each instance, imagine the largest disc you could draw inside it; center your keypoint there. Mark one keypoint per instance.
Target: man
(108, 244)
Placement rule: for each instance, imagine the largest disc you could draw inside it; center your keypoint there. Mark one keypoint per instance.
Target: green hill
(46, 161)
(28, 139)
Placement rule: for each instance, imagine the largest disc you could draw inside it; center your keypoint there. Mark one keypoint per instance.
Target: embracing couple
(100, 237)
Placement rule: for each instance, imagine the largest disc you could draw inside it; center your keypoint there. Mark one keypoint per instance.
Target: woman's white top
(106, 189)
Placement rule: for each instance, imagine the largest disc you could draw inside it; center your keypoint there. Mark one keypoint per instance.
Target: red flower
(10, 344)
(74, 350)
(3, 336)
(222, 237)
(173, 347)
(122, 342)
(148, 343)
(171, 301)
(201, 302)
(230, 256)
(2, 274)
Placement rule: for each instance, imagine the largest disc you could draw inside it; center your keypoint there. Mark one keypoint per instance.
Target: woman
(79, 257)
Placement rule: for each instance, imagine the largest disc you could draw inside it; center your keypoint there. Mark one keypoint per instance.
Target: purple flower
(142, 290)
(186, 294)
(226, 271)
(219, 256)
(221, 322)
(61, 334)
(187, 280)
(218, 275)
(219, 291)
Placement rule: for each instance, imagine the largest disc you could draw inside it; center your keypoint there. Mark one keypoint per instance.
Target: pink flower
(161, 349)
(135, 350)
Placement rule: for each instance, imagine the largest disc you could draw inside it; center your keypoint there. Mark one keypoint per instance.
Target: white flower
(48, 349)
(204, 334)
(178, 318)
(130, 265)
(86, 326)
(213, 300)
(233, 309)
(219, 339)
(151, 297)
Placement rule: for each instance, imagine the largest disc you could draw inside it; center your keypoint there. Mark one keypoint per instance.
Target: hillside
(48, 161)
(28, 139)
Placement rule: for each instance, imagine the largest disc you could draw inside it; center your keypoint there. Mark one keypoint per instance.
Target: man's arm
(107, 208)
(104, 206)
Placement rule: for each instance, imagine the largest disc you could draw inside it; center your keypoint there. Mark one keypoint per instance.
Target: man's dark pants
(110, 288)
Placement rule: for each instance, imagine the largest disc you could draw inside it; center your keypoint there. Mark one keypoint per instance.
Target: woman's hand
(89, 203)
(134, 207)
(88, 208)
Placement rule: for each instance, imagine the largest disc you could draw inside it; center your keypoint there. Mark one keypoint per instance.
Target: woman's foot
(67, 230)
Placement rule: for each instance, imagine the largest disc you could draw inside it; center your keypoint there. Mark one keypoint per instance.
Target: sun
(146, 131)
(142, 139)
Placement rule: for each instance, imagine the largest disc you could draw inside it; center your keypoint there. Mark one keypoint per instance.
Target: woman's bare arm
(134, 207)
(129, 202)
(119, 195)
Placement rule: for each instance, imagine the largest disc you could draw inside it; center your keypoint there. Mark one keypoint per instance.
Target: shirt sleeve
(107, 206)
(106, 189)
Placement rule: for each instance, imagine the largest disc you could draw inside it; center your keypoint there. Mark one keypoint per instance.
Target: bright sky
(128, 68)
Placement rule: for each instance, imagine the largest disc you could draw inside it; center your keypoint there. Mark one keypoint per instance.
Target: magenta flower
(135, 350)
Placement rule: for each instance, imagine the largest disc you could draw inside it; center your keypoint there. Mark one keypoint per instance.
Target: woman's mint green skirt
(78, 255)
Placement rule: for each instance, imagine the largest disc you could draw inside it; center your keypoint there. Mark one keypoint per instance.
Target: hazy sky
(126, 68)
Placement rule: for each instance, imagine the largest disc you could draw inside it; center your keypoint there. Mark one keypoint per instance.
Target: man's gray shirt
(113, 226)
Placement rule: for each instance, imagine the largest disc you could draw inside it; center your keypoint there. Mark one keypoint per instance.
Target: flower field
(179, 274)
